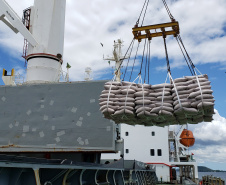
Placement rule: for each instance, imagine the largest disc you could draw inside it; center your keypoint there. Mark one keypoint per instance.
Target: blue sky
(202, 30)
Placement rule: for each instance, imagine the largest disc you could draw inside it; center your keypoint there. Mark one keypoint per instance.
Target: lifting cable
(142, 57)
(191, 66)
(124, 57)
(191, 63)
(141, 13)
(168, 11)
(146, 63)
(164, 36)
(128, 59)
(149, 59)
(167, 58)
(185, 57)
(134, 61)
(145, 13)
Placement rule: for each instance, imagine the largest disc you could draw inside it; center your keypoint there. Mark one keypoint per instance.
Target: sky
(209, 148)
(89, 23)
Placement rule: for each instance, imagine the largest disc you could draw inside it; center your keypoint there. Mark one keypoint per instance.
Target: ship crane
(45, 37)
(15, 22)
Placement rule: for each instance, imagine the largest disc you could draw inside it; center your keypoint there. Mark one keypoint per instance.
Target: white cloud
(210, 140)
(211, 131)
(89, 23)
(210, 154)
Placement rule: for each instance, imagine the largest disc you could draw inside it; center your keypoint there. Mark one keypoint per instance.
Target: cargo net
(177, 101)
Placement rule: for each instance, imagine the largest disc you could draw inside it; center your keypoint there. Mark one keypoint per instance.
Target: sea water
(221, 175)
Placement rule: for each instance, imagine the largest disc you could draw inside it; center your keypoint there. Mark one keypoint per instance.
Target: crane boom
(15, 22)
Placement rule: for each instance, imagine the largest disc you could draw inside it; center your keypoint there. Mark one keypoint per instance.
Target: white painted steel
(7, 11)
(9, 80)
(139, 140)
(2, 18)
(43, 70)
(47, 25)
(145, 143)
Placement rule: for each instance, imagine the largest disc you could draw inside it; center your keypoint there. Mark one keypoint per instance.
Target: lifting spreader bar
(144, 32)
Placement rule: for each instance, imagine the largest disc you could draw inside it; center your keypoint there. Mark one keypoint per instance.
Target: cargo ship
(166, 148)
(54, 133)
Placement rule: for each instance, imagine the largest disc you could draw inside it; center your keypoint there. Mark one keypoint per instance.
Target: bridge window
(152, 151)
(159, 152)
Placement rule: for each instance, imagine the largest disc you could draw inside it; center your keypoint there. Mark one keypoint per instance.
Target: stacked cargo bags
(145, 103)
(203, 99)
(108, 100)
(185, 100)
(182, 104)
(126, 104)
(163, 104)
(194, 100)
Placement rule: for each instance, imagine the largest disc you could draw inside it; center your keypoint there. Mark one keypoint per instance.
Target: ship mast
(118, 58)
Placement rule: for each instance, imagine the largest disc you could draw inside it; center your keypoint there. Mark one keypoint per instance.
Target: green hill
(205, 169)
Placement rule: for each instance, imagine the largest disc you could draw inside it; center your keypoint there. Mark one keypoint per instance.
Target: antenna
(117, 57)
(88, 74)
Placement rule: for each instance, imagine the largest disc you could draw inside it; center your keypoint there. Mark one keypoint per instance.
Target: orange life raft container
(187, 138)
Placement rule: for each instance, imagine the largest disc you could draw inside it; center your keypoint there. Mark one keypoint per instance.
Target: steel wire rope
(146, 64)
(149, 60)
(187, 137)
(145, 13)
(142, 57)
(167, 58)
(134, 61)
(116, 72)
(190, 61)
(168, 10)
(141, 13)
(180, 39)
(184, 56)
(128, 60)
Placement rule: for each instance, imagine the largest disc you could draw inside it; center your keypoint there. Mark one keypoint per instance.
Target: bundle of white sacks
(184, 100)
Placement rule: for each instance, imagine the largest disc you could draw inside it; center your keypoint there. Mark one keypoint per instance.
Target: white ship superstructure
(160, 147)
